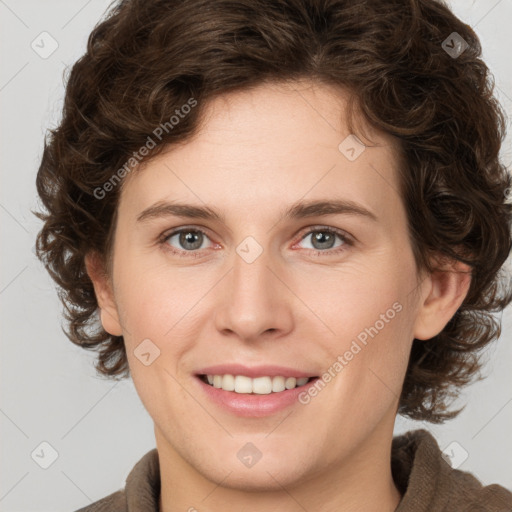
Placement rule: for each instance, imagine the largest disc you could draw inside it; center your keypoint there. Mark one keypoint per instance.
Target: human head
(389, 56)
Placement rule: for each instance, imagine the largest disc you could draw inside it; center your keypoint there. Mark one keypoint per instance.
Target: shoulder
(429, 483)
(115, 502)
(465, 491)
(141, 492)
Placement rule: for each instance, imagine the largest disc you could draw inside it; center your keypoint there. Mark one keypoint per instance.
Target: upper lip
(253, 371)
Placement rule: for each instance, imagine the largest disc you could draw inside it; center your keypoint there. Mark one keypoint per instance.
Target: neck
(363, 481)
(373, 501)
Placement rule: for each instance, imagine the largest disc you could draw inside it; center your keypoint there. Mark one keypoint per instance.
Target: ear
(104, 294)
(447, 288)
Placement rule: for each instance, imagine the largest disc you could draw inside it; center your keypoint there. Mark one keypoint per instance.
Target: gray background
(49, 391)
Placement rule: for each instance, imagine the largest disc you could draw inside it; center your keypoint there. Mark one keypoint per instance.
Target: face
(321, 292)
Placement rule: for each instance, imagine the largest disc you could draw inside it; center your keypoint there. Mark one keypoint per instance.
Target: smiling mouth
(257, 386)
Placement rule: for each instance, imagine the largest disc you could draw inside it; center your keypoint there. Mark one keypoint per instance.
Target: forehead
(275, 113)
(269, 145)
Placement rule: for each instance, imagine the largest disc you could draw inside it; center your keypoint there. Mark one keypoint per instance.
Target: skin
(257, 152)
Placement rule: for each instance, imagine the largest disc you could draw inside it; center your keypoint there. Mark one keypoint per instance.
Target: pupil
(190, 237)
(322, 235)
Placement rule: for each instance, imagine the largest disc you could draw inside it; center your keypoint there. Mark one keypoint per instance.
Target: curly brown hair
(148, 57)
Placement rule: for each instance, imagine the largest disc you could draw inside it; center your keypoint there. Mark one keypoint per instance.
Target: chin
(262, 477)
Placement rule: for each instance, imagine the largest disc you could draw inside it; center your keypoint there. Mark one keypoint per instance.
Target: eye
(188, 240)
(323, 239)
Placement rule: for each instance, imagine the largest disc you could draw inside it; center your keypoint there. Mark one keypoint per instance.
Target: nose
(255, 301)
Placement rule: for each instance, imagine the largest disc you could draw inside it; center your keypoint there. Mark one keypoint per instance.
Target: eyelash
(196, 253)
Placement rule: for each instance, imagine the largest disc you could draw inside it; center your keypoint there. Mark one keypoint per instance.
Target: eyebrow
(299, 210)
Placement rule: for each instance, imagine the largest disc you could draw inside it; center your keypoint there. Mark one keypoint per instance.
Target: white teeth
(258, 385)
(243, 384)
(228, 383)
(262, 385)
(278, 384)
(290, 383)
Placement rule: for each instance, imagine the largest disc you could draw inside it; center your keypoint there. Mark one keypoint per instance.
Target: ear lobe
(104, 294)
(449, 287)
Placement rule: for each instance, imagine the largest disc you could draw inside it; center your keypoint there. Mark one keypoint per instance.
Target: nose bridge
(254, 301)
(251, 277)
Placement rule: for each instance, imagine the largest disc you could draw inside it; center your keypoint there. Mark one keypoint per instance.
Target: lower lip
(250, 405)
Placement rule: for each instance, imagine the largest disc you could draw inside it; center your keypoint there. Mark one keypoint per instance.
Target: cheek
(154, 300)
(368, 316)
(353, 298)
(161, 328)
(163, 315)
